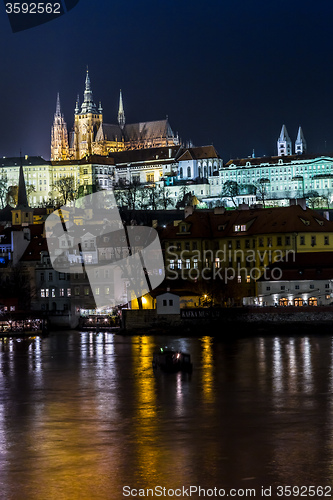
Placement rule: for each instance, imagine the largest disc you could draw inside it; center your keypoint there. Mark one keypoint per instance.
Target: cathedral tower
(284, 143)
(87, 122)
(59, 135)
(300, 144)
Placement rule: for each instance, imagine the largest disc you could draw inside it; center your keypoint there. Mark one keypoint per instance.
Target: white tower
(300, 144)
(284, 143)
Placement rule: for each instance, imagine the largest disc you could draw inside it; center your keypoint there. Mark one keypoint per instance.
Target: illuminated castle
(92, 136)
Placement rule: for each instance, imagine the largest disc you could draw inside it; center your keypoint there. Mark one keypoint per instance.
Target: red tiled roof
(207, 224)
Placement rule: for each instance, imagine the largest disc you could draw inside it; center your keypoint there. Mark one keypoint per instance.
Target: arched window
(181, 172)
(188, 171)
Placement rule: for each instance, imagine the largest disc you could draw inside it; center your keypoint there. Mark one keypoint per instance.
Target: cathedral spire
(77, 105)
(58, 111)
(88, 105)
(59, 135)
(121, 114)
(300, 144)
(284, 143)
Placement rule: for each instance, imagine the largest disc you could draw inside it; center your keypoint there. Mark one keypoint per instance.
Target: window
(268, 288)
(194, 245)
(313, 241)
(195, 263)
(287, 240)
(164, 303)
(326, 240)
(171, 264)
(261, 242)
(77, 290)
(50, 276)
(86, 290)
(302, 240)
(171, 302)
(107, 290)
(69, 292)
(61, 292)
(179, 263)
(187, 264)
(283, 287)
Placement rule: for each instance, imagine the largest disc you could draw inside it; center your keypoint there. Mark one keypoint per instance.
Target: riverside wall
(194, 319)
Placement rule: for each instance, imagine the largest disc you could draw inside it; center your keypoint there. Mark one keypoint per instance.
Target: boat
(169, 360)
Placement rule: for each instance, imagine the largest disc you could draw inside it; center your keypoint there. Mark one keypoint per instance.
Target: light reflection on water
(82, 415)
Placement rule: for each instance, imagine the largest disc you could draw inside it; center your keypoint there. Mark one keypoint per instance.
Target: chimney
(188, 211)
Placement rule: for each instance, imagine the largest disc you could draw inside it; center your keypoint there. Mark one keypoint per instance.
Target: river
(83, 415)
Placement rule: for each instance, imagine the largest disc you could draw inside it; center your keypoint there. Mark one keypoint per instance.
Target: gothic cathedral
(92, 136)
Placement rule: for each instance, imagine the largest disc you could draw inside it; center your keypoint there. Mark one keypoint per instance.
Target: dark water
(83, 415)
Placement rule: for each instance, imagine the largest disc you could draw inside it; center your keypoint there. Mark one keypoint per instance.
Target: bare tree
(230, 189)
(261, 190)
(128, 193)
(3, 190)
(312, 198)
(165, 198)
(12, 194)
(67, 189)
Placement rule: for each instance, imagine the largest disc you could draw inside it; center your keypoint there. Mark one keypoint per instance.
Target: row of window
(280, 241)
(67, 292)
(297, 287)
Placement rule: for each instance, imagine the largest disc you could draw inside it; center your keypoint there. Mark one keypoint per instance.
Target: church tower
(284, 143)
(300, 144)
(59, 135)
(22, 214)
(121, 114)
(87, 122)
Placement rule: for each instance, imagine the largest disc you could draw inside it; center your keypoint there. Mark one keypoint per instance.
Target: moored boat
(169, 360)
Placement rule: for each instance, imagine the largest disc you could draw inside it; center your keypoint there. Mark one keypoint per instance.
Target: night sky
(227, 73)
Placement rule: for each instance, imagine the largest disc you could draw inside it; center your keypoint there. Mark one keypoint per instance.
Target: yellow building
(235, 247)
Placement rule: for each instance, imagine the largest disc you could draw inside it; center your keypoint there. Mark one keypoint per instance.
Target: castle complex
(92, 136)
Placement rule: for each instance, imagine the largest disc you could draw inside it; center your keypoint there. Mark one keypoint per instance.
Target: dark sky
(227, 73)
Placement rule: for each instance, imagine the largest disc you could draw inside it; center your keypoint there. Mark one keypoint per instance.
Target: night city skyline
(225, 74)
